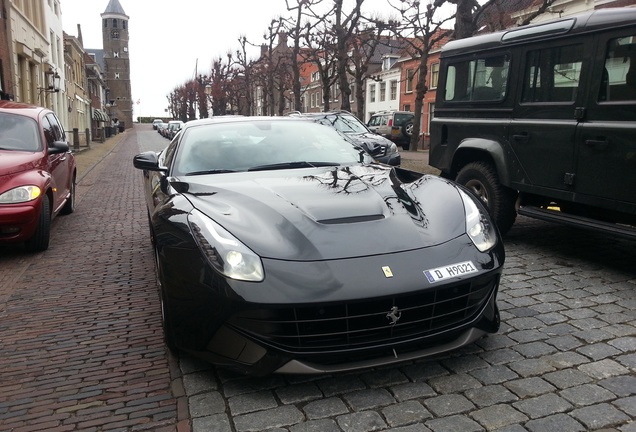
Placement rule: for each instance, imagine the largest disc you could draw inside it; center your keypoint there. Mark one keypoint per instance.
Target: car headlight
(20, 195)
(478, 225)
(392, 149)
(223, 251)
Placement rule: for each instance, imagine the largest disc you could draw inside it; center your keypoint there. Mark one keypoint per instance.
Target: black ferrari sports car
(282, 247)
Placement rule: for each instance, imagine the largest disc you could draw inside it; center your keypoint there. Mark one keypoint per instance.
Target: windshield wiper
(214, 171)
(299, 164)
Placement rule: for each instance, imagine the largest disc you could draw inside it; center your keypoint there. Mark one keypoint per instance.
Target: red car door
(58, 163)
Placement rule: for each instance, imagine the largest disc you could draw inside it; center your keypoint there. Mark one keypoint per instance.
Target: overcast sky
(169, 38)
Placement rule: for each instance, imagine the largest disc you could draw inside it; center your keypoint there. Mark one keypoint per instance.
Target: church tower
(117, 63)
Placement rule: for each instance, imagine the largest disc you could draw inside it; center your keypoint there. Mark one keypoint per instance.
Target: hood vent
(352, 219)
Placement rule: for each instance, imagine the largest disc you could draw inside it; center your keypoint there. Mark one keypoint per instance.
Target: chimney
(79, 35)
(263, 50)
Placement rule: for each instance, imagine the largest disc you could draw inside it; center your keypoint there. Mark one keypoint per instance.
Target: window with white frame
(382, 91)
(393, 90)
(410, 73)
(372, 93)
(434, 75)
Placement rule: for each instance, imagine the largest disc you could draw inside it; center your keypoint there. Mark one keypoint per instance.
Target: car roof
(547, 30)
(23, 109)
(238, 119)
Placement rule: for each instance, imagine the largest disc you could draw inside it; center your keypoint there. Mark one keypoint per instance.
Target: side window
(49, 134)
(619, 75)
(478, 80)
(169, 154)
(552, 74)
(58, 131)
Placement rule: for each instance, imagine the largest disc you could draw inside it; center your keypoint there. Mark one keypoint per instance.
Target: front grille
(366, 323)
(378, 151)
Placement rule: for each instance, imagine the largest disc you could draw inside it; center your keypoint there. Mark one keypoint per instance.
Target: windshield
(344, 123)
(19, 133)
(255, 145)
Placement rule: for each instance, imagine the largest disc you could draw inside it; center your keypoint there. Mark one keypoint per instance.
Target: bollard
(88, 138)
(76, 142)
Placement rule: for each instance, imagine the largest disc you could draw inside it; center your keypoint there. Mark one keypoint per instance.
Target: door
(543, 128)
(58, 163)
(606, 141)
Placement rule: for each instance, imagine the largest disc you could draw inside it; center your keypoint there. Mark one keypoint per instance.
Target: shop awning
(100, 115)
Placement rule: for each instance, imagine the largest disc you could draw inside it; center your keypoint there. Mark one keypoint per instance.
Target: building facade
(78, 104)
(29, 47)
(115, 35)
(56, 100)
(6, 73)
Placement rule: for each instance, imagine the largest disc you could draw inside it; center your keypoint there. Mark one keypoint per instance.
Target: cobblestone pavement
(81, 349)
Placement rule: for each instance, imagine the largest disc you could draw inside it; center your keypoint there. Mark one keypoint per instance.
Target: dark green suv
(541, 120)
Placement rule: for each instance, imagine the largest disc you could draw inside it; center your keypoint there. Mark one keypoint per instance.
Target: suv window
(481, 79)
(619, 75)
(399, 119)
(553, 75)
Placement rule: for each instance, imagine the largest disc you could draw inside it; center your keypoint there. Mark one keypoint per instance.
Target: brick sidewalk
(81, 344)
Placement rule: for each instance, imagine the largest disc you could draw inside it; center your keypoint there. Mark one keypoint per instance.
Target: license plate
(450, 271)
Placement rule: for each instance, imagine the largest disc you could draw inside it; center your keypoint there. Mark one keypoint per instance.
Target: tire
(69, 206)
(407, 133)
(482, 180)
(407, 129)
(40, 240)
(166, 320)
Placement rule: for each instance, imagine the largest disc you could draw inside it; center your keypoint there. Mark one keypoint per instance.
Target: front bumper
(332, 316)
(18, 221)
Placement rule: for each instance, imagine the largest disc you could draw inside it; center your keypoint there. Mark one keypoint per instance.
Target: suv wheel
(407, 132)
(481, 179)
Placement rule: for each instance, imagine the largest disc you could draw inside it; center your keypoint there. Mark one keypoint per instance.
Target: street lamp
(52, 81)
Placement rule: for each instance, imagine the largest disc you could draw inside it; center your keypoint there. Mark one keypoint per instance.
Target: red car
(37, 174)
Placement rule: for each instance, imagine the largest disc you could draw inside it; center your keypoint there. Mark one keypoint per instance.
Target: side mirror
(148, 161)
(58, 147)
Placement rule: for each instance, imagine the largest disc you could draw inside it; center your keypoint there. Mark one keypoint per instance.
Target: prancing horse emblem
(394, 316)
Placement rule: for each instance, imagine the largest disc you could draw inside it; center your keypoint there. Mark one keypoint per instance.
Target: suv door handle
(522, 137)
(597, 144)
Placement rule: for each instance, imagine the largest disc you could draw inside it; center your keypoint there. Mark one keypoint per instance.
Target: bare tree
(362, 47)
(246, 66)
(344, 27)
(493, 15)
(297, 26)
(320, 51)
(420, 30)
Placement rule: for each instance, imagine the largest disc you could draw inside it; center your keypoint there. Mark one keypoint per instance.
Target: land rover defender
(540, 120)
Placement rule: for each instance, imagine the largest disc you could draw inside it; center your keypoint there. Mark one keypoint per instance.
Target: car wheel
(69, 206)
(407, 129)
(166, 320)
(482, 180)
(40, 240)
(407, 133)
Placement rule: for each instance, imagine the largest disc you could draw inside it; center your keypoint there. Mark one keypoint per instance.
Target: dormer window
(388, 62)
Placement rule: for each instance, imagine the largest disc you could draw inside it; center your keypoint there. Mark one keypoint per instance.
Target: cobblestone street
(81, 344)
